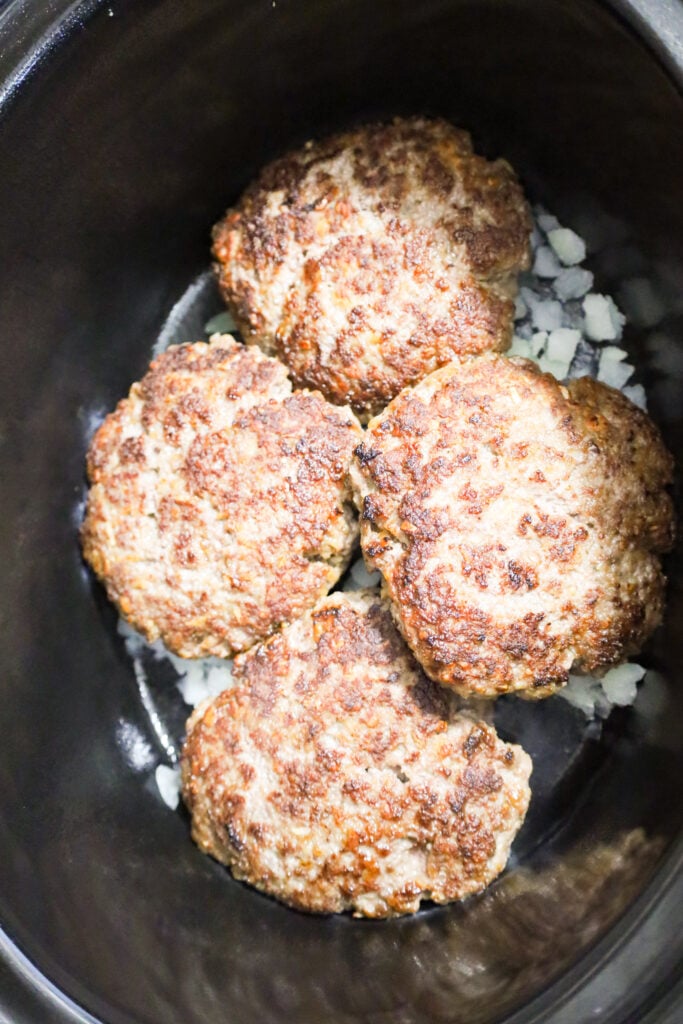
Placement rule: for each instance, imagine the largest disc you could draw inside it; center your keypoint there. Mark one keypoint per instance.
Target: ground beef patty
(369, 259)
(335, 776)
(517, 524)
(220, 505)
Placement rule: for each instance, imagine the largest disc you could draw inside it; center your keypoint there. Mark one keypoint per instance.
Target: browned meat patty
(220, 505)
(335, 776)
(369, 259)
(517, 524)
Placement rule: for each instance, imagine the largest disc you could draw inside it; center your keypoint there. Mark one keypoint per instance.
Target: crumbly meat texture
(336, 777)
(220, 505)
(369, 259)
(517, 524)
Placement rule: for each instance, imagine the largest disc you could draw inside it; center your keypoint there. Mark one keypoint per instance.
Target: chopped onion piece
(361, 575)
(604, 322)
(520, 347)
(636, 394)
(557, 367)
(204, 679)
(569, 247)
(546, 263)
(614, 373)
(536, 238)
(611, 353)
(573, 283)
(583, 692)
(562, 344)
(546, 221)
(168, 784)
(222, 323)
(538, 342)
(546, 314)
(619, 683)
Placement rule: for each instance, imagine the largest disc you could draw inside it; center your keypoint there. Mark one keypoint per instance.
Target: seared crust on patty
(517, 524)
(220, 505)
(369, 259)
(335, 776)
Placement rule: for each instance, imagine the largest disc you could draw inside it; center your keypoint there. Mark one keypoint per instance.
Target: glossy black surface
(117, 153)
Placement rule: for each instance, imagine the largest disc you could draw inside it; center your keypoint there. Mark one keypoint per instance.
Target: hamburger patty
(369, 259)
(220, 505)
(335, 776)
(517, 524)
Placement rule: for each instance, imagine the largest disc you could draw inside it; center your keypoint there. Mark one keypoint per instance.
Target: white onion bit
(568, 246)
(546, 263)
(614, 373)
(222, 323)
(636, 394)
(359, 578)
(562, 344)
(520, 347)
(604, 322)
(168, 784)
(573, 283)
(619, 684)
(598, 696)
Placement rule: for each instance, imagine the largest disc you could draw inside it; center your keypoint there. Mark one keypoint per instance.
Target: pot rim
(29, 31)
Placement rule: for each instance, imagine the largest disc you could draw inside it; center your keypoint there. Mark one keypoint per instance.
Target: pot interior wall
(116, 155)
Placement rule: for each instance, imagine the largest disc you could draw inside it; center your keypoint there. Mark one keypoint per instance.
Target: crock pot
(126, 128)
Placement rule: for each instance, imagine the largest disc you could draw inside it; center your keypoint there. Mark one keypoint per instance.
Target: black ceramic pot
(125, 130)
